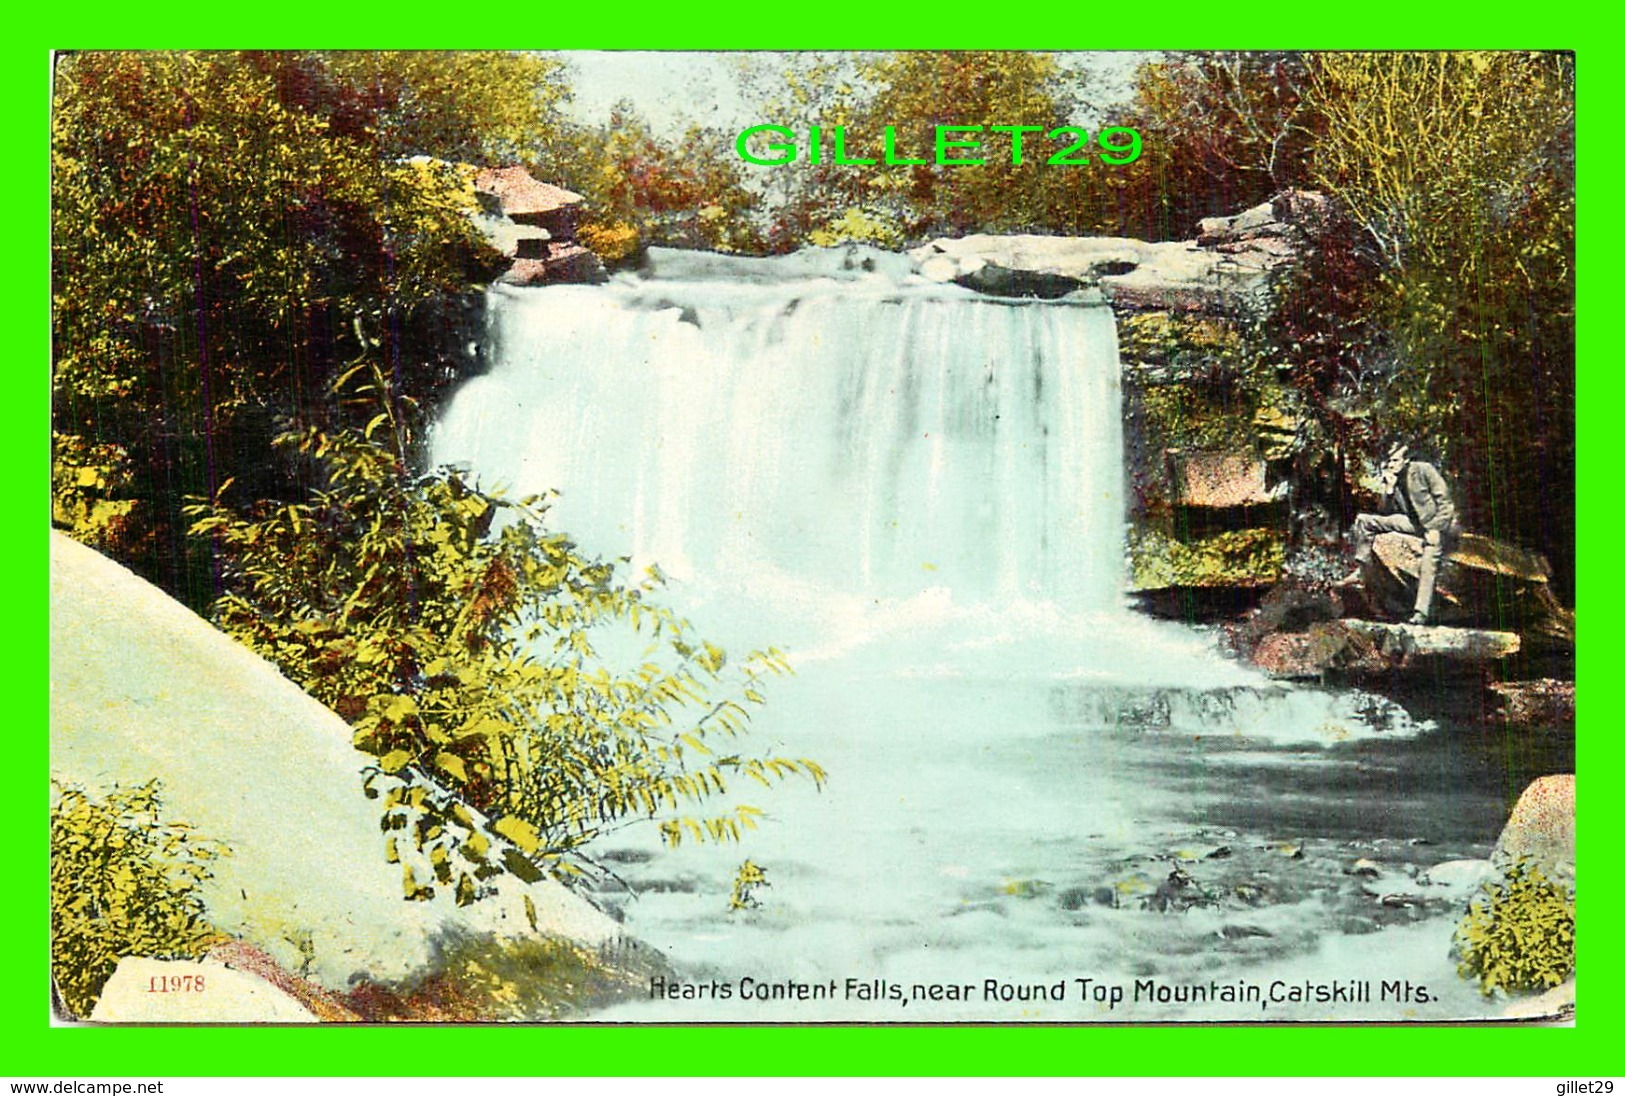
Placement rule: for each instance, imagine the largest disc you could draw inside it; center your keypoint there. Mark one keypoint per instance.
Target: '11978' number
(175, 983)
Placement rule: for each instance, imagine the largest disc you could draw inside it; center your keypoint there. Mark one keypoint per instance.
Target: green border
(1587, 1049)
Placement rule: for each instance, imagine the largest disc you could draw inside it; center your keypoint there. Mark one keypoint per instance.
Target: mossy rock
(1163, 336)
(1245, 557)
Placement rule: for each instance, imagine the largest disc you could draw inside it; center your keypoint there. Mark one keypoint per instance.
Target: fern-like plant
(123, 883)
(1518, 934)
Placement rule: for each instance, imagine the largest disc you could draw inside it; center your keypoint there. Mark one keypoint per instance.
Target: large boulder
(1541, 829)
(1226, 270)
(1291, 215)
(1540, 834)
(1482, 583)
(141, 688)
(1402, 642)
(566, 263)
(1177, 276)
(177, 991)
(1353, 646)
(998, 281)
(844, 262)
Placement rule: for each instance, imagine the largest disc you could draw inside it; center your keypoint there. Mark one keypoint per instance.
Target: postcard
(825, 537)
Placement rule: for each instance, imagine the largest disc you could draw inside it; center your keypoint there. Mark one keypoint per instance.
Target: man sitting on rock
(1416, 502)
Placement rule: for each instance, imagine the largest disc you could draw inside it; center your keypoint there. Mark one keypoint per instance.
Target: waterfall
(918, 493)
(825, 460)
(864, 438)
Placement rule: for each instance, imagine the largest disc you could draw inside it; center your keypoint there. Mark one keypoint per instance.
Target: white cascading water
(854, 438)
(821, 462)
(918, 493)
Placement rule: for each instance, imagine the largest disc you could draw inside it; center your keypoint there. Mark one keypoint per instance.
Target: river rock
(1296, 215)
(1251, 224)
(998, 281)
(170, 991)
(1367, 869)
(141, 688)
(1399, 642)
(1226, 270)
(1459, 877)
(1545, 703)
(1373, 647)
(843, 262)
(1174, 276)
(566, 263)
(1081, 257)
(1288, 655)
(939, 268)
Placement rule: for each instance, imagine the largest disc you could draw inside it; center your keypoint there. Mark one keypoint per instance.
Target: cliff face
(1211, 430)
(143, 688)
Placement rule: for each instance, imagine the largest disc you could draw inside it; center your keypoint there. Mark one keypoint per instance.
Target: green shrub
(1518, 934)
(90, 484)
(122, 883)
(457, 636)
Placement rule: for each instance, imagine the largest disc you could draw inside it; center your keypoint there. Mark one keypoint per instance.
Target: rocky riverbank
(141, 688)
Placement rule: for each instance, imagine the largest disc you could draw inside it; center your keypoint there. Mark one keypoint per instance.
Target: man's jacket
(1421, 494)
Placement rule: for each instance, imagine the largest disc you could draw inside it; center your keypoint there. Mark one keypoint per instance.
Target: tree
(1225, 131)
(458, 636)
(475, 106)
(917, 91)
(1458, 169)
(228, 230)
(799, 90)
(913, 92)
(646, 190)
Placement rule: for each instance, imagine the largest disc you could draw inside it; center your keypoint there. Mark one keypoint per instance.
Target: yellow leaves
(613, 241)
(483, 728)
(440, 862)
(122, 883)
(711, 657)
(468, 717)
(520, 832)
(815, 771)
(452, 765)
(414, 891)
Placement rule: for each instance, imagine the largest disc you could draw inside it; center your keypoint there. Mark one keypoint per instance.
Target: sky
(673, 89)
